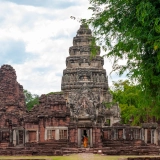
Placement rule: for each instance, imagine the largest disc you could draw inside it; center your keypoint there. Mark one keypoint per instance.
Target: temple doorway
(148, 135)
(85, 132)
(85, 137)
(21, 136)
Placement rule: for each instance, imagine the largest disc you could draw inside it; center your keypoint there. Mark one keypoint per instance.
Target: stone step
(3, 145)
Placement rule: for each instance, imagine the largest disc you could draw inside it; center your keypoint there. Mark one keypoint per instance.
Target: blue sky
(57, 4)
(35, 39)
(14, 52)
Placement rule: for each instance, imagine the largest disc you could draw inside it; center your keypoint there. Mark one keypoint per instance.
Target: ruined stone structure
(58, 124)
(12, 106)
(85, 88)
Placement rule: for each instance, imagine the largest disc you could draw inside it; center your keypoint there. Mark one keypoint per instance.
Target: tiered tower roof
(80, 67)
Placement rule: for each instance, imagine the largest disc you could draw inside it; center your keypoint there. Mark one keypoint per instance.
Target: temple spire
(80, 68)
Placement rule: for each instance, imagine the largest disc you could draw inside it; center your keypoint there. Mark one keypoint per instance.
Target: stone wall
(11, 92)
(12, 107)
(49, 117)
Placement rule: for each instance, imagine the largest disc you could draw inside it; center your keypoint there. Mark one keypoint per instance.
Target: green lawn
(70, 157)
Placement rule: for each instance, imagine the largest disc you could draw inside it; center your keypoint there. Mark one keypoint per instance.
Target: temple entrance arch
(85, 132)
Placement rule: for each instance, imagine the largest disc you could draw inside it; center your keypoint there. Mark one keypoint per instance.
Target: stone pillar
(111, 120)
(115, 134)
(145, 135)
(79, 137)
(124, 133)
(94, 137)
(112, 134)
(155, 137)
(26, 136)
(45, 134)
(10, 134)
(142, 134)
(57, 134)
(76, 135)
(37, 137)
(14, 137)
(152, 136)
(91, 142)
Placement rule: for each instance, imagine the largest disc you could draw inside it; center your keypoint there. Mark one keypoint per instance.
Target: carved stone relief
(82, 103)
(84, 75)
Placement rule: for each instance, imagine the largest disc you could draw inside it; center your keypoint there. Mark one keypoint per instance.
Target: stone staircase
(49, 150)
(77, 150)
(124, 143)
(3, 145)
(49, 145)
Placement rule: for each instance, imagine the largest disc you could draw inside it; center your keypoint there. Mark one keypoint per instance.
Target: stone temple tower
(82, 69)
(85, 83)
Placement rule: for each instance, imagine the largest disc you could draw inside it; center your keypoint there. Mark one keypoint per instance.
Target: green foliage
(130, 29)
(128, 96)
(70, 157)
(55, 93)
(134, 108)
(94, 48)
(30, 99)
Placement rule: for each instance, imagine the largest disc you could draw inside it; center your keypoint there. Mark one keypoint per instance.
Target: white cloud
(47, 34)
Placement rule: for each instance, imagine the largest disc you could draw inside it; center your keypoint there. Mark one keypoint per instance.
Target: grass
(70, 157)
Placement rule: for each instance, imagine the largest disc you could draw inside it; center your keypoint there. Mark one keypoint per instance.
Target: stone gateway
(81, 116)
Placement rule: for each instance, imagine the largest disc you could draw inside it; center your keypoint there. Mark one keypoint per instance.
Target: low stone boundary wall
(130, 150)
(51, 151)
(144, 158)
(124, 143)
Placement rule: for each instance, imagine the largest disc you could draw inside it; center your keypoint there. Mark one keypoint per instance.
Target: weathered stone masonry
(59, 122)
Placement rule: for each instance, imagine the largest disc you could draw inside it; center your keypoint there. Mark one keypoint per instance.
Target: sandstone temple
(83, 109)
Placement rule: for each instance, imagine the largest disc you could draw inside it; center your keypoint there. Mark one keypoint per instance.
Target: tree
(130, 29)
(30, 99)
(129, 98)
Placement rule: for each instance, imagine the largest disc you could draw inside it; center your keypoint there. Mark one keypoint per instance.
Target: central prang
(85, 83)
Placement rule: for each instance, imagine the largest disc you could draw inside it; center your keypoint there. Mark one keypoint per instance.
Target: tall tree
(130, 29)
(130, 102)
(30, 99)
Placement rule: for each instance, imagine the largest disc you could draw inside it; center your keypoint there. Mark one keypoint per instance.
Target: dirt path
(86, 156)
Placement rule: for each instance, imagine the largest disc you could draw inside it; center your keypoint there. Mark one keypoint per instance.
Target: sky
(35, 36)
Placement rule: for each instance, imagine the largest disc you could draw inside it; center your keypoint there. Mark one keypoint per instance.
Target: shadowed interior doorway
(84, 132)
